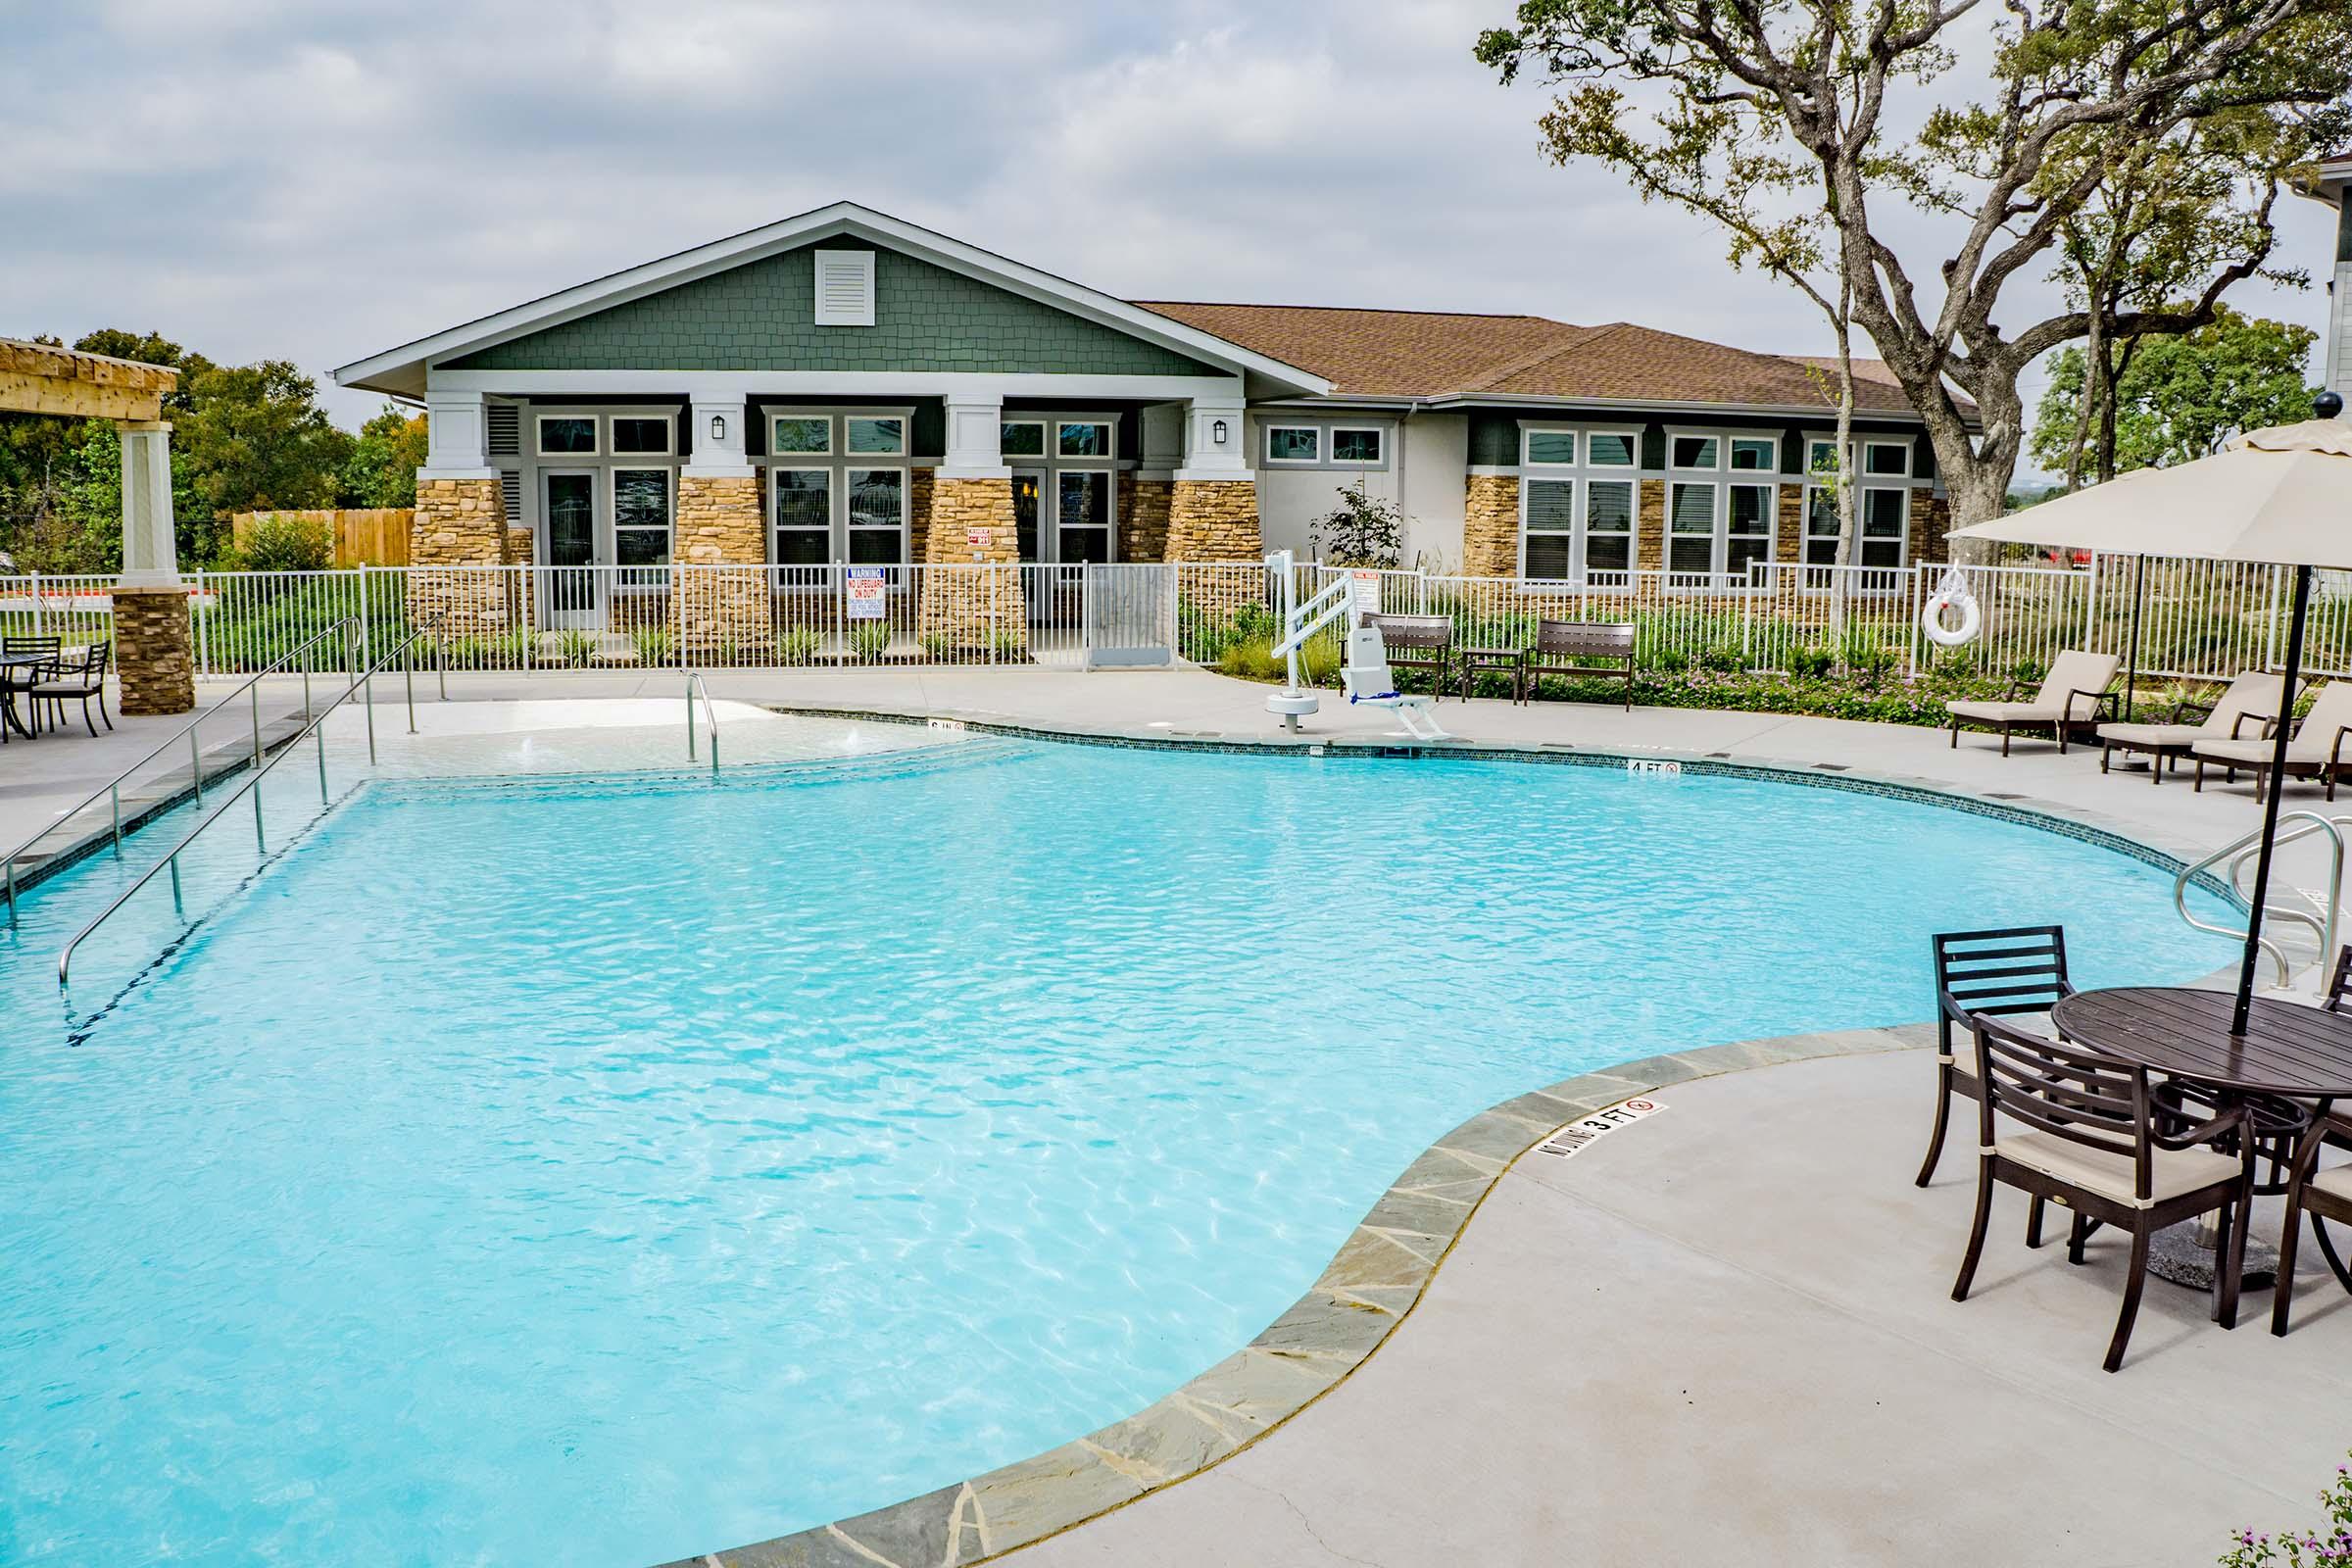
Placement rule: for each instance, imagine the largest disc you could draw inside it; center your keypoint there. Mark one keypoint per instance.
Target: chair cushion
(63, 688)
(2334, 1180)
(2011, 712)
(2250, 752)
(2171, 1173)
(2151, 736)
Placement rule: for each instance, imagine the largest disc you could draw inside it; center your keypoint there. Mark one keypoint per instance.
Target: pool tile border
(1370, 1286)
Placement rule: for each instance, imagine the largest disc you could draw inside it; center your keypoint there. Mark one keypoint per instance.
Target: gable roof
(1463, 357)
(401, 370)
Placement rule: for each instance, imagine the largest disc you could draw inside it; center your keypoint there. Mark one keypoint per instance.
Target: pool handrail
(251, 784)
(354, 631)
(2232, 856)
(696, 683)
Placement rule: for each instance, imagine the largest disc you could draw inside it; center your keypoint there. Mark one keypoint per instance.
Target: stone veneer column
(1649, 526)
(458, 523)
(1143, 506)
(155, 664)
(1214, 520)
(1788, 543)
(972, 601)
(1490, 526)
(721, 600)
(1931, 520)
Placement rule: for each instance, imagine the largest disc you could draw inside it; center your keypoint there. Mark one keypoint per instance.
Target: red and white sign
(866, 589)
(1364, 591)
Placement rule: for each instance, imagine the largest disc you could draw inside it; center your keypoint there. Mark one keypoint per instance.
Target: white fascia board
(400, 365)
(959, 384)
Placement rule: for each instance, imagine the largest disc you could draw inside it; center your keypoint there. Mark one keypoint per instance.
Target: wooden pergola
(152, 645)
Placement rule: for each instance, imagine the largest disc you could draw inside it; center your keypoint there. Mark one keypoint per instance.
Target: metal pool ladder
(112, 789)
(2231, 860)
(695, 683)
(362, 686)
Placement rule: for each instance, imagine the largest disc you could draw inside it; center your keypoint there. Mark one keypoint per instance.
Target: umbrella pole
(2139, 571)
(2270, 804)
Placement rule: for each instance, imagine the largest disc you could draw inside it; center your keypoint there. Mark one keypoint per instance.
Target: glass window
(803, 506)
(1552, 445)
(568, 434)
(877, 437)
(638, 434)
(1885, 515)
(1747, 529)
(1081, 498)
(1355, 446)
(1820, 524)
(1695, 451)
(802, 435)
(1022, 438)
(877, 515)
(641, 516)
(1609, 449)
(1609, 525)
(1821, 457)
(1550, 528)
(1691, 523)
(1754, 454)
(1083, 440)
(1292, 443)
(1886, 458)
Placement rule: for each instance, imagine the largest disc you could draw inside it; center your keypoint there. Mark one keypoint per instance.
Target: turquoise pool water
(604, 1171)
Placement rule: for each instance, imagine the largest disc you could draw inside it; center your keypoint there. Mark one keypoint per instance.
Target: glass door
(1081, 517)
(571, 595)
(1028, 493)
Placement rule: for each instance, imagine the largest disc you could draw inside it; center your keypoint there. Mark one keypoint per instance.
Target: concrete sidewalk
(1724, 1335)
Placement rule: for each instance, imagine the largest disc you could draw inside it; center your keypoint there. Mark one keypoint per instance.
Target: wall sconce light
(1216, 432)
(719, 427)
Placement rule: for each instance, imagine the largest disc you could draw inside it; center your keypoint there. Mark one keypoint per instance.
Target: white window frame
(1720, 476)
(1816, 485)
(827, 450)
(1723, 449)
(1633, 445)
(1266, 449)
(1772, 464)
(596, 437)
(905, 509)
(622, 583)
(1577, 433)
(775, 556)
(840, 461)
(1108, 425)
(1380, 442)
(1041, 423)
(1631, 533)
(906, 426)
(669, 440)
(1552, 473)
(1580, 475)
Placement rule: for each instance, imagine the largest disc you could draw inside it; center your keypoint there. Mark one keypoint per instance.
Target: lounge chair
(2320, 749)
(1368, 680)
(2095, 1146)
(2074, 696)
(2252, 699)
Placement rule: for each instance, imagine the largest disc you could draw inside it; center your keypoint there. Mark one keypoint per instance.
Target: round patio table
(8, 694)
(2298, 1052)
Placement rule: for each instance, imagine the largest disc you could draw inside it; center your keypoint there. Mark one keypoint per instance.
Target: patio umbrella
(2280, 496)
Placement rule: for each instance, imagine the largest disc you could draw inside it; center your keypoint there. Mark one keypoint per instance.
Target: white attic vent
(845, 288)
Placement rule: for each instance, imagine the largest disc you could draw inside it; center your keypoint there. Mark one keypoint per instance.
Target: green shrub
(869, 638)
(574, 647)
(1811, 664)
(655, 646)
(282, 541)
(796, 644)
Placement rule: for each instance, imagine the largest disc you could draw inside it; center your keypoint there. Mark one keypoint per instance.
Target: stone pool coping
(1370, 1286)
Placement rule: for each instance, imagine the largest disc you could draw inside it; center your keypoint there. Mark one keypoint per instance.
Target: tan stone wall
(1931, 520)
(1490, 526)
(1144, 518)
(720, 613)
(1214, 520)
(1788, 542)
(969, 606)
(155, 660)
(1649, 526)
(459, 522)
(919, 513)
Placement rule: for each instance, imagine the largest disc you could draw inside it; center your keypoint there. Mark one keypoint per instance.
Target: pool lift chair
(1366, 675)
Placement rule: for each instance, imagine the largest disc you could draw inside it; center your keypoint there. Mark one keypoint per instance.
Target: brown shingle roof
(1436, 353)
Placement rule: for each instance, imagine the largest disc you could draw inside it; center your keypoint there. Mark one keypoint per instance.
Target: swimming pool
(608, 1170)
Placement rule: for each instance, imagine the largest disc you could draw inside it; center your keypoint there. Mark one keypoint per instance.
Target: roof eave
(1799, 411)
(401, 370)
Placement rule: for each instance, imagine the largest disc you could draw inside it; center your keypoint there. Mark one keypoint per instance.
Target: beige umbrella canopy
(2282, 496)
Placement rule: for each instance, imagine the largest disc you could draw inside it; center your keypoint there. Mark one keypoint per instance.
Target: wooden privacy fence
(364, 536)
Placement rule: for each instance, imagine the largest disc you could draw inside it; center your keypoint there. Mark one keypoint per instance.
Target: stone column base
(155, 660)
(1214, 520)
(724, 615)
(972, 608)
(1144, 519)
(461, 524)
(1490, 526)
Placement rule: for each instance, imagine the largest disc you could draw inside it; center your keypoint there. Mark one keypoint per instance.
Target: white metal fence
(2195, 619)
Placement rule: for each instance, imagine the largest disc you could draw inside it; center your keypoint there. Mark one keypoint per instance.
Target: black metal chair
(2094, 1144)
(2322, 1194)
(75, 679)
(2019, 969)
(17, 680)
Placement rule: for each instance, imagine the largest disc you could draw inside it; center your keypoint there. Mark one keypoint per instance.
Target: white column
(975, 435)
(457, 436)
(718, 437)
(1213, 440)
(150, 552)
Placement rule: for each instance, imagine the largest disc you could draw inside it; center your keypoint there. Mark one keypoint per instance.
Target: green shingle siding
(759, 316)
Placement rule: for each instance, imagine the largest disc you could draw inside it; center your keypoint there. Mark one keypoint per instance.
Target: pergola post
(154, 656)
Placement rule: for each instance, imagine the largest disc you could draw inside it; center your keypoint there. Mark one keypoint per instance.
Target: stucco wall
(1437, 452)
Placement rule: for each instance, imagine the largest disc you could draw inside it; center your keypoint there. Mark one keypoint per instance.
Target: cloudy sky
(313, 182)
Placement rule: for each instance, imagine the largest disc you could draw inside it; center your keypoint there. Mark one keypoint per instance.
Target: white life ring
(1951, 594)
